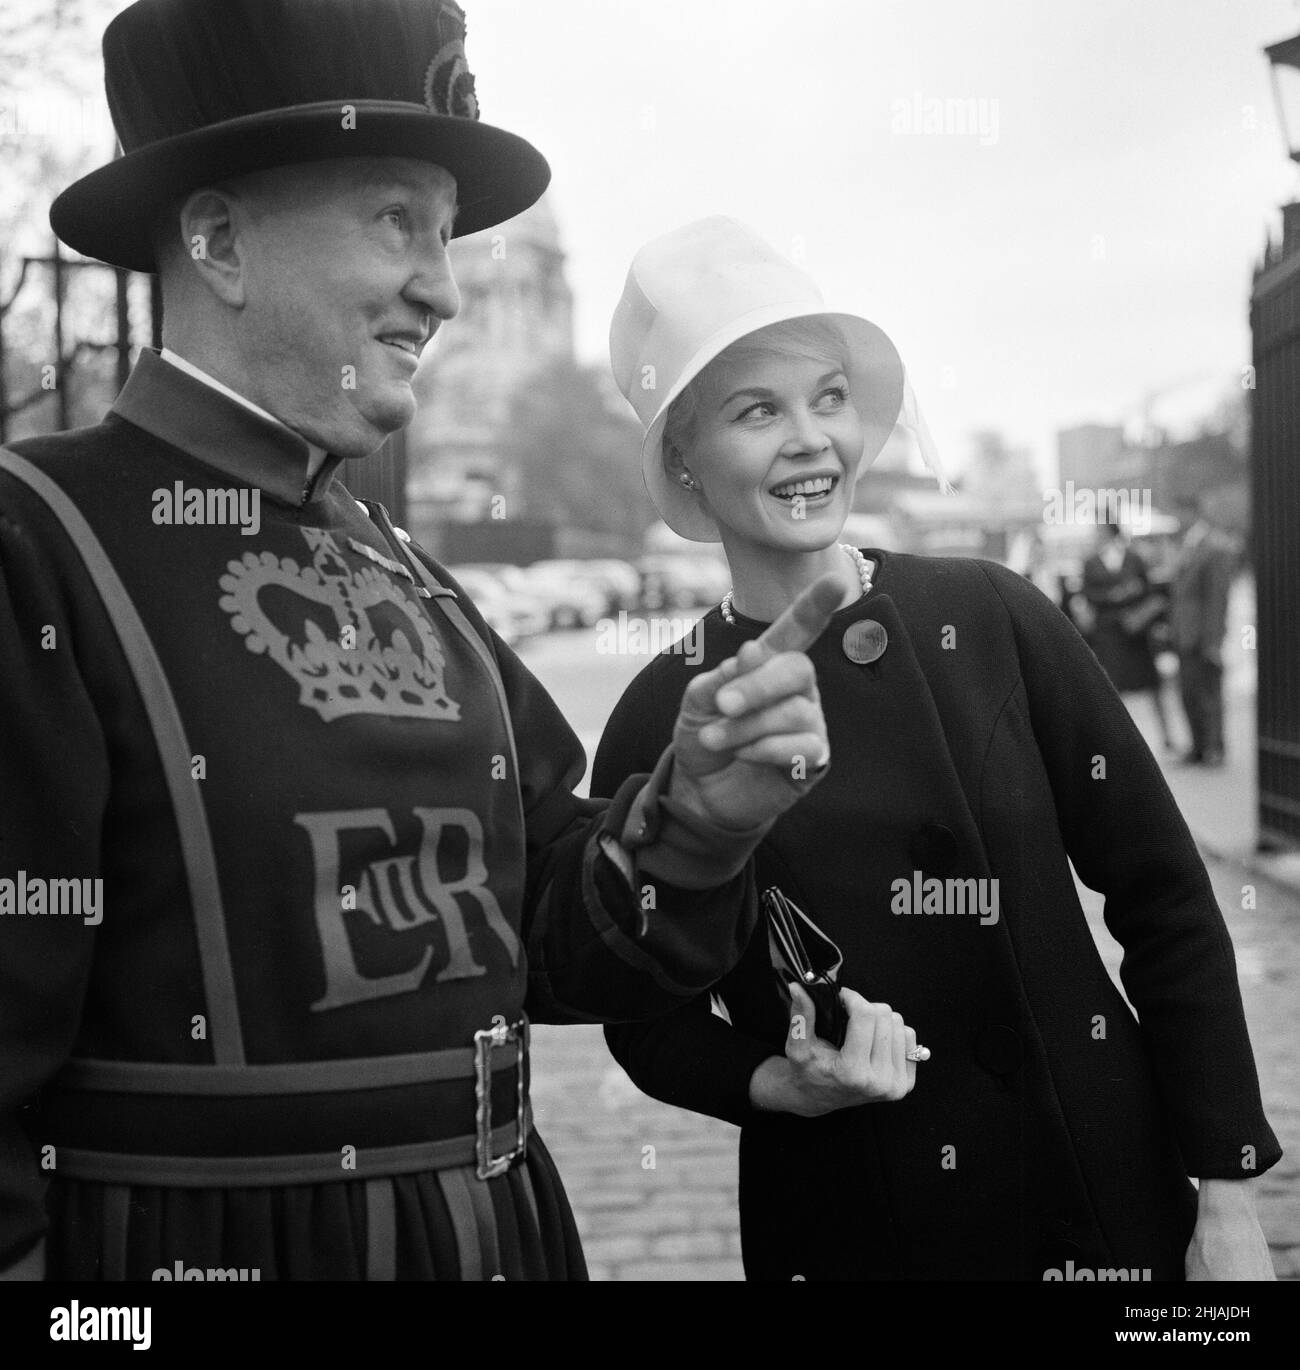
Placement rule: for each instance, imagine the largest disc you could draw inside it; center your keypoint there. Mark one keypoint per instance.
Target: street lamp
(1284, 73)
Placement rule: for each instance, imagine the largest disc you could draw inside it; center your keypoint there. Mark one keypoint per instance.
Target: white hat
(692, 293)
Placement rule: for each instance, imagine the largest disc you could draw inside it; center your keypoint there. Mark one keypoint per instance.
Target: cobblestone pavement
(654, 1187)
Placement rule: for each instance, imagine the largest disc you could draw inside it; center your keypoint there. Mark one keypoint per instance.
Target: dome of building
(516, 317)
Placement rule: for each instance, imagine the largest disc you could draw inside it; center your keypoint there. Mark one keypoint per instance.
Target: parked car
(566, 604)
(617, 581)
(621, 579)
(577, 601)
(676, 581)
(514, 615)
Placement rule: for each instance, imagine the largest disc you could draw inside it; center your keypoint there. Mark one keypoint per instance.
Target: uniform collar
(192, 411)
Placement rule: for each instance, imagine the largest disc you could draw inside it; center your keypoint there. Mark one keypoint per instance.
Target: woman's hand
(1227, 1242)
(813, 1078)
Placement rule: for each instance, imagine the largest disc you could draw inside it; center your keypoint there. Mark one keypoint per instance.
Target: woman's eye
(835, 397)
(762, 410)
(396, 215)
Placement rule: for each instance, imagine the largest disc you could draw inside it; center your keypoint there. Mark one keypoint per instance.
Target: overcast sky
(1089, 241)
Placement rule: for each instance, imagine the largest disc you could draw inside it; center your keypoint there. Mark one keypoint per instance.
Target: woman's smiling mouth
(807, 488)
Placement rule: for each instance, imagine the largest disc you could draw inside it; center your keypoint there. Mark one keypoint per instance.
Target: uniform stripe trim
(381, 1230)
(289, 1077)
(486, 1217)
(116, 1215)
(455, 1191)
(237, 1172)
(446, 601)
(174, 755)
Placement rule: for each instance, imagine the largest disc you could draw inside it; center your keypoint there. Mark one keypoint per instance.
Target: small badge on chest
(865, 641)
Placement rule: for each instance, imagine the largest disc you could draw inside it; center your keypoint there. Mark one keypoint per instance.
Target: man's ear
(214, 231)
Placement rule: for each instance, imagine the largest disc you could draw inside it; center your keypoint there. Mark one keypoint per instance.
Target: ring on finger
(919, 1054)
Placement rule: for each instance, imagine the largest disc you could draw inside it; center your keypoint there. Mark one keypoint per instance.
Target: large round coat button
(865, 641)
(998, 1049)
(933, 849)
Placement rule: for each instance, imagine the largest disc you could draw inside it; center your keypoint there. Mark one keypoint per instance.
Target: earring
(687, 480)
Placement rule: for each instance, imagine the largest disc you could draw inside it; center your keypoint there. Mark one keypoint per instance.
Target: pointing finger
(805, 620)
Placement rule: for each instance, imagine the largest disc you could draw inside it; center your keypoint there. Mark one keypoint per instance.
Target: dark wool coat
(1049, 1125)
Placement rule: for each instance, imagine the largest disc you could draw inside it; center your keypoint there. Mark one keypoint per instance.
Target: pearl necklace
(864, 577)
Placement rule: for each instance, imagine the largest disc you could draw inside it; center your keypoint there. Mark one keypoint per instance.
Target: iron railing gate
(1275, 466)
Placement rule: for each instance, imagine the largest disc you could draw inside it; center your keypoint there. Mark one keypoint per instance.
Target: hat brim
(876, 381)
(112, 213)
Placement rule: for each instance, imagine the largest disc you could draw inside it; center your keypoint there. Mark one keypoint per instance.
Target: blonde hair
(815, 337)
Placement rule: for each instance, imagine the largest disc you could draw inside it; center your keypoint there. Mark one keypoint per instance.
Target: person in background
(1117, 587)
(1198, 614)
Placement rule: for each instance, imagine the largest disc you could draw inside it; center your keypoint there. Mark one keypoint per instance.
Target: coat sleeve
(632, 906)
(688, 1057)
(1128, 841)
(54, 786)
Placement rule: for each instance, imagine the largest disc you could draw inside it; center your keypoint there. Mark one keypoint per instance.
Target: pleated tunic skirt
(431, 1225)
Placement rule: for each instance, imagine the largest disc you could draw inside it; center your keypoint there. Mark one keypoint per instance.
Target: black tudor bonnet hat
(200, 90)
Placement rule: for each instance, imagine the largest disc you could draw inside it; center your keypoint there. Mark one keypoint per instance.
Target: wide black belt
(135, 1122)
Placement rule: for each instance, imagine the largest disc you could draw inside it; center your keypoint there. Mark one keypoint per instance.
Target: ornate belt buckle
(487, 1040)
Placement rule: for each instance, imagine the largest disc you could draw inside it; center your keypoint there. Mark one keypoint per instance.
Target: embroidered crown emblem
(448, 81)
(353, 642)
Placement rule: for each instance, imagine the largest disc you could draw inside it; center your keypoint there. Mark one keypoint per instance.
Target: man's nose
(433, 285)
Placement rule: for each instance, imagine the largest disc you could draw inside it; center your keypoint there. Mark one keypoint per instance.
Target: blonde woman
(976, 749)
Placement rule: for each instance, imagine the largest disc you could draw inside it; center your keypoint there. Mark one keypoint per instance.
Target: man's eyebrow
(388, 180)
(381, 180)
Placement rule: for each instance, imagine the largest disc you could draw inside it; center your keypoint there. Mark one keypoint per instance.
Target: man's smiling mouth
(407, 345)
